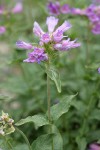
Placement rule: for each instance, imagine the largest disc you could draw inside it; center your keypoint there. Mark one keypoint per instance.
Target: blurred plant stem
(49, 100)
(86, 116)
(25, 138)
(48, 93)
(87, 43)
(8, 143)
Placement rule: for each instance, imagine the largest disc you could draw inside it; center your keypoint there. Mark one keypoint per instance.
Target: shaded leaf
(55, 76)
(62, 107)
(44, 142)
(57, 139)
(38, 120)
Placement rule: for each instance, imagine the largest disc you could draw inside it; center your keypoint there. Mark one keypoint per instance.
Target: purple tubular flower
(58, 34)
(96, 29)
(2, 29)
(36, 56)
(18, 8)
(66, 45)
(37, 30)
(51, 23)
(1, 10)
(96, 1)
(99, 70)
(78, 11)
(24, 45)
(64, 27)
(45, 38)
(94, 146)
(54, 8)
(65, 9)
(90, 10)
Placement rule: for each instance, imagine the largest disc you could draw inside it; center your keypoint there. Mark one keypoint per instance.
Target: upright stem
(48, 94)
(49, 101)
(87, 45)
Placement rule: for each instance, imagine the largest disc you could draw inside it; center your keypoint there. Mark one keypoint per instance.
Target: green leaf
(44, 142)
(10, 130)
(62, 107)
(38, 120)
(57, 139)
(95, 114)
(93, 66)
(81, 143)
(21, 146)
(55, 76)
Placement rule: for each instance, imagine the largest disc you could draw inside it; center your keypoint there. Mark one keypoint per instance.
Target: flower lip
(36, 56)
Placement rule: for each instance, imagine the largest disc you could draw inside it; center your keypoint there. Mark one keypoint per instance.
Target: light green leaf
(38, 120)
(81, 141)
(57, 139)
(62, 107)
(55, 76)
(93, 66)
(44, 142)
(95, 114)
(10, 130)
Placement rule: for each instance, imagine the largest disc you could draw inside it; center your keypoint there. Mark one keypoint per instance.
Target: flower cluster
(3, 11)
(54, 39)
(56, 8)
(94, 146)
(92, 12)
(16, 9)
(2, 29)
(6, 124)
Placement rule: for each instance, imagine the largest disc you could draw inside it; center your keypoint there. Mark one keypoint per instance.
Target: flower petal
(51, 23)
(23, 45)
(37, 30)
(64, 27)
(18, 8)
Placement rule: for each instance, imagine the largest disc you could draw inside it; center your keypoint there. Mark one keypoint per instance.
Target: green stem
(8, 143)
(87, 44)
(49, 102)
(25, 138)
(86, 116)
(48, 95)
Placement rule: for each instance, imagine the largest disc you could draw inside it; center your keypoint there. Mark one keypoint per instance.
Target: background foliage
(23, 86)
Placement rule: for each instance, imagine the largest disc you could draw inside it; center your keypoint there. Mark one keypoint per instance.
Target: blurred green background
(23, 86)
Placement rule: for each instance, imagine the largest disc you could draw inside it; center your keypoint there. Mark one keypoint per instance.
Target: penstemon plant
(50, 44)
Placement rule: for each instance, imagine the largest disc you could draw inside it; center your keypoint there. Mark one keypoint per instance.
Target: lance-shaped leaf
(55, 76)
(38, 120)
(44, 142)
(62, 107)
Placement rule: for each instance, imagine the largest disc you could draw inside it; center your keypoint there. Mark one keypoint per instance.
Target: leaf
(55, 76)
(95, 114)
(20, 147)
(44, 142)
(38, 120)
(62, 107)
(81, 143)
(57, 139)
(10, 130)
(93, 66)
